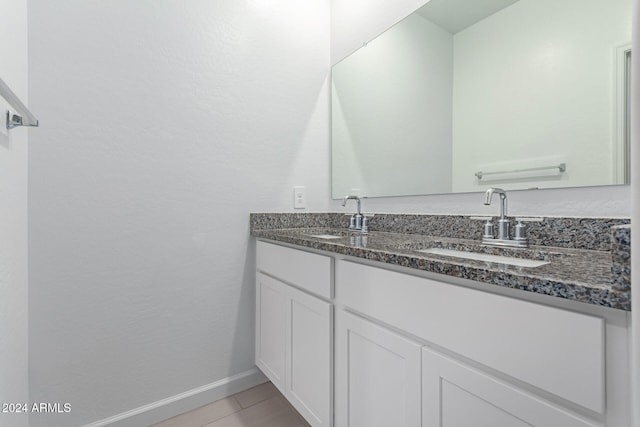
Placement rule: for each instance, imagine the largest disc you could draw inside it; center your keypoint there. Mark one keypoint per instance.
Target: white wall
(13, 217)
(635, 219)
(163, 125)
(382, 111)
(538, 74)
(356, 21)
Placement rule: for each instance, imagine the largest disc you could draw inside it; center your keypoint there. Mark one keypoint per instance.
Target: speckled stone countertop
(575, 270)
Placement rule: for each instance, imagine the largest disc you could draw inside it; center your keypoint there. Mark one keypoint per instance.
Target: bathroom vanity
(372, 330)
(424, 320)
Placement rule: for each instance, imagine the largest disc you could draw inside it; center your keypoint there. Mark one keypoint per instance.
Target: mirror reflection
(463, 95)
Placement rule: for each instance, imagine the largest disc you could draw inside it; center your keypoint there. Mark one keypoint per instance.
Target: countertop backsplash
(577, 233)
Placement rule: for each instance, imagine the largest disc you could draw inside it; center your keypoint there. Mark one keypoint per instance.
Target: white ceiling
(456, 15)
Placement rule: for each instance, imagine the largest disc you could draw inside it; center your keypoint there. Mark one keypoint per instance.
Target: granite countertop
(588, 276)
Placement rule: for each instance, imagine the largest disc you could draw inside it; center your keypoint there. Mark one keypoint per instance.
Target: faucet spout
(503, 200)
(358, 203)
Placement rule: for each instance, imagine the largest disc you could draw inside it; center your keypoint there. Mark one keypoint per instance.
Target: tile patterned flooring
(260, 406)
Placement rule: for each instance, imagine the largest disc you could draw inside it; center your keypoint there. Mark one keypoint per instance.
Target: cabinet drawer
(311, 272)
(555, 350)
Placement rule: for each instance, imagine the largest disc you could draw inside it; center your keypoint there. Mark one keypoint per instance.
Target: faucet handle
(365, 224)
(488, 229)
(521, 233)
(352, 222)
(488, 226)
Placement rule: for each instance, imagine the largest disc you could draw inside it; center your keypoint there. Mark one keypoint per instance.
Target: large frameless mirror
(463, 95)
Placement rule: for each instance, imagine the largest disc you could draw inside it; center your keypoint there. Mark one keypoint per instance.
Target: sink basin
(519, 262)
(325, 236)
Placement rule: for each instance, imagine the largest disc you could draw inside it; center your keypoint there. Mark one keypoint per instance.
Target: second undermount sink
(519, 262)
(325, 236)
(325, 233)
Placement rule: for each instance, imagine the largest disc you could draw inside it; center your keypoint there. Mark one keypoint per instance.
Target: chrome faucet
(503, 224)
(358, 221)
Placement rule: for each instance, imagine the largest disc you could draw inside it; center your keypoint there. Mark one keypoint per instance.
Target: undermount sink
(325, 236)
(519, 262)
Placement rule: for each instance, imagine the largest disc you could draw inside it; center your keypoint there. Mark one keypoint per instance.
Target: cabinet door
(309, 357)
(378, 376)
(271, 316)
(456, 395)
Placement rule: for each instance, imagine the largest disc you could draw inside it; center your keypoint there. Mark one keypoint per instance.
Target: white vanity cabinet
(294, 328)
(414, 351)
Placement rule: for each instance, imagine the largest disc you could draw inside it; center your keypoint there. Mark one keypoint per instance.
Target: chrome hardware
(503, 223)
(358, 221)
(488, 230)
(520, 232)
(13, 120)
(562, 167)
(503, 239)
(365, 224)
(22, 116)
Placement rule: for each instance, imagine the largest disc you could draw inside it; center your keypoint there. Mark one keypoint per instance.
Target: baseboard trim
(183, 402)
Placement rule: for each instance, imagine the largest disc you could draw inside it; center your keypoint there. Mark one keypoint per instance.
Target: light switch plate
(299, 197)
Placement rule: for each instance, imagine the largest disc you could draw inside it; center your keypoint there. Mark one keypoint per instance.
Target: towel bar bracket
(21, 116)
(15, 120)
